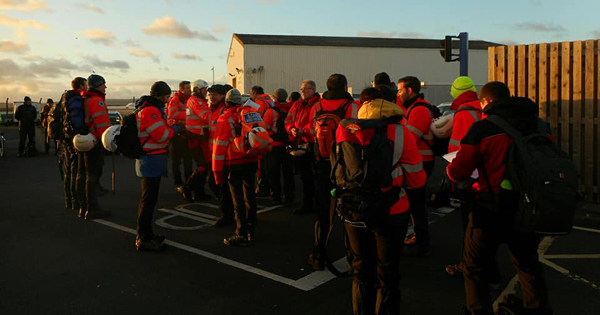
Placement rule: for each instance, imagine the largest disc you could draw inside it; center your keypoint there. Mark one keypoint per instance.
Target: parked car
(130, 106)
(444, 107)
(115, 118)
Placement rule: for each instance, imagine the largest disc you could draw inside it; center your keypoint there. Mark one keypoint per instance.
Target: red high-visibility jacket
(176, 109)
(264, 101)
(152, 122)
(197, 115)
(223, 152)
(331, 105)
(464, 119)
(96, 113)
(270, 118)
(418, 122)
(299, 117)
(216, 110)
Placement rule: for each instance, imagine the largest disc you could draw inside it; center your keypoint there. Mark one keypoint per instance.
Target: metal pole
(113, 174)
(464, 53)
(213, 71)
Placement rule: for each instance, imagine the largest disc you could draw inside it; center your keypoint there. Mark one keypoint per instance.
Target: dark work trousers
(69, 162)
(90, 168)
(262, 179)
(279, 161)
(376, 256)
(179, 151)
(150, 186)
(484, 233)
(48, 141)
(242, 179)
(417, 199)
(323, 196)
(304, 166)
(197, 180)
(29, 134)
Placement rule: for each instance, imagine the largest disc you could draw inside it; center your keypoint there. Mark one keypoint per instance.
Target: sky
(44, 44)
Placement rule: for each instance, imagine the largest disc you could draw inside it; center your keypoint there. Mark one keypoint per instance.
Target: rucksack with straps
(252, 137)
(544, 180)
(279, 133)
(326, 123)
(440, 145)
(73, 114)
(128, 141)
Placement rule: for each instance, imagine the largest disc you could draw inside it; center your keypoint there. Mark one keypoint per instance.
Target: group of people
(201, 125)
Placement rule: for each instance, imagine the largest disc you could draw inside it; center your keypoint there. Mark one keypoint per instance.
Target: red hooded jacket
(463, 118)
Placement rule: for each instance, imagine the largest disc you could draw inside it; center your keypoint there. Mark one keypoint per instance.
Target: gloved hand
(176, 129)
(218, 178)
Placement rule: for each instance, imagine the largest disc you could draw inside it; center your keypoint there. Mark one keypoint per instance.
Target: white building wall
(288, 66)
(236, 60)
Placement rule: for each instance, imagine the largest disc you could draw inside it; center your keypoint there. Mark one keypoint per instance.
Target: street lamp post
(213, 71)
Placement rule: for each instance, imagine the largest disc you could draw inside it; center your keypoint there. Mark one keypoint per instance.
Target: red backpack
(325, 126)
(252, 137)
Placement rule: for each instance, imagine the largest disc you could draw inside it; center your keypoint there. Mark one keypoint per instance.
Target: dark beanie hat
(382, 78)
(95, 81)
(160, 88)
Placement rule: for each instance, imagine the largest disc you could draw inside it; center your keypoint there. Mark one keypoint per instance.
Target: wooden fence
(563, 79)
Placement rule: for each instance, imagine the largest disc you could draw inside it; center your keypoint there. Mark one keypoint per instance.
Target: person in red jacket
(235, 170)
(336, 101)
(485, 148)
(217, 107)
(297, 125)
(279, 160)
(90, 162)
(467, 107)
(154, 134)
(418, 119)
(196, 123)
(376, 249)
(178, 148)
(258, 96)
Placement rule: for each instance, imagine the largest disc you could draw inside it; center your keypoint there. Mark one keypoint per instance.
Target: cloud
(99, 36)
(51, 67)
(7, 46)
(94, 8)
(24, 5)
(132, 43)
(540, 27)
(144, 54)
(115, 64)
(220, 29)
(390, 34)
(21, 24)
(169, 27)
(187, 56)
(596, 34)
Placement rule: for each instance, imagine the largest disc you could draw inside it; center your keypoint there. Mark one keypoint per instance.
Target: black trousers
(197, 180)
(263, 185)
(148, 200)
(70, 164)
(323, 198)
(279, 161)
(417, 199)
(88, 174)
(304, 166)
(26, 134)
(241, 181)
(47, 142)
(485, 232)
(376, 256)
(179, 151)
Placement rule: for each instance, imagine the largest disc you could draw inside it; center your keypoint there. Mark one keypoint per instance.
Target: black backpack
(362, 164)
(128, 142)
(281, 135)
(543, 179)
(55, 121)
(440, 145)
(73, 114)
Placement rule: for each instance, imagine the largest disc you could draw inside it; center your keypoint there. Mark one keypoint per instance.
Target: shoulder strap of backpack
(471, 111)
(418, 105)
(505, 126)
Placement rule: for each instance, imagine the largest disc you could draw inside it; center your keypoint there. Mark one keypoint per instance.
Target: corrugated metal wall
(288, 66)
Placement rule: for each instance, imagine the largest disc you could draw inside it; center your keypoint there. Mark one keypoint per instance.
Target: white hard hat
(252, 135)
(84, 143)
(442, 127)
(199, 84)
(108, 137)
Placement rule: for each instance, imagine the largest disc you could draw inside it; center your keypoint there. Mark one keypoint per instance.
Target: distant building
(274, 61)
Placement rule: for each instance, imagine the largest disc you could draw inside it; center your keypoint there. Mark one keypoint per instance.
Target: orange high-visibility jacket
(299, 117)
(419, 122)
(216, 110)
(223, 151)
(272, 116)
(152, 123)
(464, 119)
(176, 109)
(265, 102)
(197, 115)
(96, 113)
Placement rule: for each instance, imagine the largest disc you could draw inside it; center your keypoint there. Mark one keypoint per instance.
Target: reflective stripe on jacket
(197, 115)
(223, 151)
(151, 123)
(96, 114)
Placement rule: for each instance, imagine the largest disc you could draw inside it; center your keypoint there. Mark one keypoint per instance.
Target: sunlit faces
(215, 98)
(307, 90)
(403, 92)
(187, 90)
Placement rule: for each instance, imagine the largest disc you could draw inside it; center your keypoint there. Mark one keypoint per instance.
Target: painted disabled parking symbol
(201, 220)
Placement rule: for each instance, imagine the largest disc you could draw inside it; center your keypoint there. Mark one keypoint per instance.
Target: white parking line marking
(568, 273)
(586, 229)
(185, 215)
(268, 209)
(318, 278)
(196, 213)
(573, 256)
